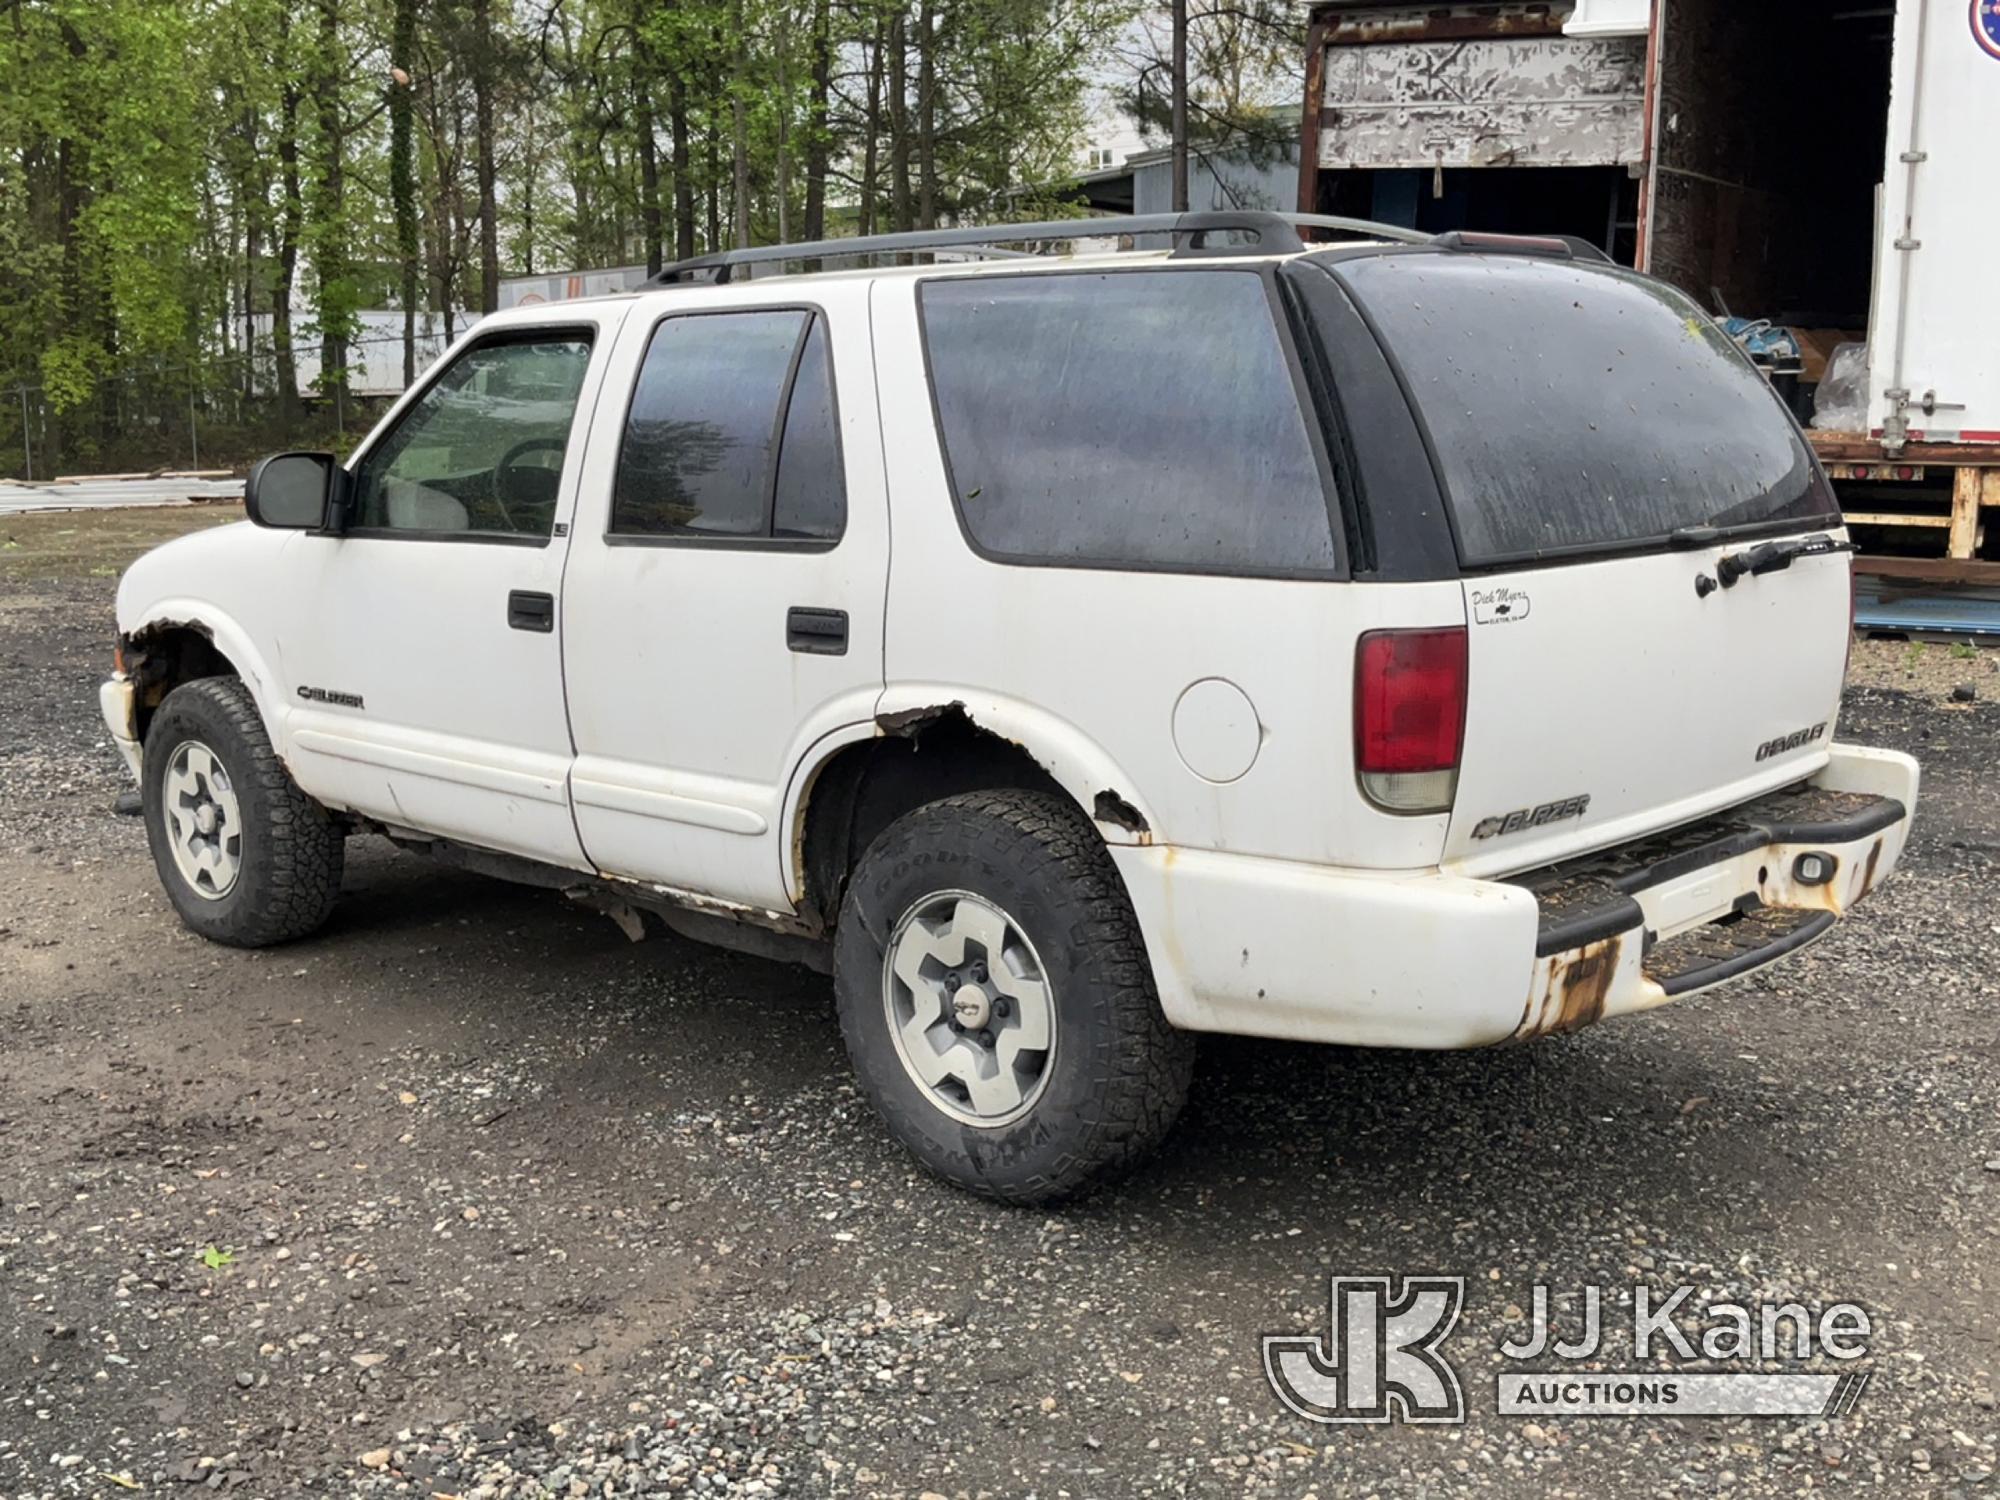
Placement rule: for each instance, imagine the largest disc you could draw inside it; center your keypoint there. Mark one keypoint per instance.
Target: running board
(1589, 899)
(1732, 945)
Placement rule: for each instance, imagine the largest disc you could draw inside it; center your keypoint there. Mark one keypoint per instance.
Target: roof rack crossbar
(1276, 234)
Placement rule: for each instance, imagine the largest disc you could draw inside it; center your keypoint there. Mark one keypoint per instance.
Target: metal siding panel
(1153, 188)
(1495, 101)
(1243, 185)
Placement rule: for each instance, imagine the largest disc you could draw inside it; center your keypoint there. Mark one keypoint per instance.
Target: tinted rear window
(732, 431)
(1130, 418)
(1575, 408)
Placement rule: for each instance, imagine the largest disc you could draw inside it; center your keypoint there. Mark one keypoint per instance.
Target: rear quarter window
(1141, 419)
(1576, 408)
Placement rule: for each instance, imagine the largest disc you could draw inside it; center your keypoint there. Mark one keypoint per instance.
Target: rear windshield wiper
(1774, 557)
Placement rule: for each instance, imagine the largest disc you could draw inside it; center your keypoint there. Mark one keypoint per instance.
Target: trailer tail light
(1409, 716)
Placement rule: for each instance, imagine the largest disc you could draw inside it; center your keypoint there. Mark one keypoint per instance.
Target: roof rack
(1560, 246)
(1272, 233)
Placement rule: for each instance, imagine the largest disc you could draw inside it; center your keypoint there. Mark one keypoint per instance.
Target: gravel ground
(468, 1196)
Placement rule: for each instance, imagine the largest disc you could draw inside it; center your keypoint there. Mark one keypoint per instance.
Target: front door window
(481, 451)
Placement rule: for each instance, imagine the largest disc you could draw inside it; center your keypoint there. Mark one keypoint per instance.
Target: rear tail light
(1409, 717)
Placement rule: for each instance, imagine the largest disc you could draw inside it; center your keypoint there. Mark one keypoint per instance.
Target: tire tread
(1142, 1067)
(304, 850)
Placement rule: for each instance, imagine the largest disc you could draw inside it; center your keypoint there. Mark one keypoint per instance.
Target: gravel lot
(468, 1196)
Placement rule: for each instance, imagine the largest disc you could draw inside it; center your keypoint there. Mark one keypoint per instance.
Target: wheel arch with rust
(851, 784)
(171, 628)
(174, 641)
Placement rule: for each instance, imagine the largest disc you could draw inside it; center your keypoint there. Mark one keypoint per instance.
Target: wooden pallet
(1853, 460)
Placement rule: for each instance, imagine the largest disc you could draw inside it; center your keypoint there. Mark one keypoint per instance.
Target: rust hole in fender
(158, 657)
(1109, 807)
(911, 722)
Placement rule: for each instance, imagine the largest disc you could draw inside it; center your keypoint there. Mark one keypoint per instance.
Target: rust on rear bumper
(1569, 989)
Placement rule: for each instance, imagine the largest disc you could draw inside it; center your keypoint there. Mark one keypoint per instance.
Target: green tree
(191, 190)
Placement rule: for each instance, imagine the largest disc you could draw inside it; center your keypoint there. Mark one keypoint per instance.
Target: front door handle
(816, 632)
(531, 611)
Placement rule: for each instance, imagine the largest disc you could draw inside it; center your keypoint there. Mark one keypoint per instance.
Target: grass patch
(72, 544)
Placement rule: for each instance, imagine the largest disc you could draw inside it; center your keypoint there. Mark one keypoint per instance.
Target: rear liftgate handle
(531, 611)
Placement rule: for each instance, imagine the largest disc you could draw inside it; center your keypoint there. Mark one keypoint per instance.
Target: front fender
(228, 637)
(173, 586)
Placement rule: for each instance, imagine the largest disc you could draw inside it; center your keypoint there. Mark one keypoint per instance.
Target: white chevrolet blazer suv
(1397, 642)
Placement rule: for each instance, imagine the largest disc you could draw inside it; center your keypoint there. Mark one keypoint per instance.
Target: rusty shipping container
(1819, 163)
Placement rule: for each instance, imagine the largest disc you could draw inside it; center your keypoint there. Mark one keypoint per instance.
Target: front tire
(997, 1001)
(246, 857)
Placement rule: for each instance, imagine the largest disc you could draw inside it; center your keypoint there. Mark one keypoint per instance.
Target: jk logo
(1381, 1362)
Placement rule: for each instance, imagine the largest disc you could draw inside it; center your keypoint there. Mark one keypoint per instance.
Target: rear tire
(997, 1001)
(246, 857)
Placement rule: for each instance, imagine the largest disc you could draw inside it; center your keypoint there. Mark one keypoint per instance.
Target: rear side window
(1576, 408)
(732, 432)
(811, 500)
(1125, 419)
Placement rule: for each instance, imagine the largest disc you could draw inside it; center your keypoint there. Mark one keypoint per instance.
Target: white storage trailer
(1828, 164)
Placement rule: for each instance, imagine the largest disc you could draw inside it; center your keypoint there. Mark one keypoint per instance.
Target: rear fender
(1076, 762)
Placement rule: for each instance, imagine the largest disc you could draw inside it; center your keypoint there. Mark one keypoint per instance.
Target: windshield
(1577, 408)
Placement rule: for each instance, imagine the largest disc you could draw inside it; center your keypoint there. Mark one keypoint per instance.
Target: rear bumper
(1267, 948)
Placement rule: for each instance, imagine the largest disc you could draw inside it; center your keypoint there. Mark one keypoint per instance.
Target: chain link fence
(217, 412)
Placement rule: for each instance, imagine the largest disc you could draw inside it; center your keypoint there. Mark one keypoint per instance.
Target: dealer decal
(1500, 606)
(1986, 26)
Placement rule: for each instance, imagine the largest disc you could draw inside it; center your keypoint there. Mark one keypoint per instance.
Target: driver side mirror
(297, 492)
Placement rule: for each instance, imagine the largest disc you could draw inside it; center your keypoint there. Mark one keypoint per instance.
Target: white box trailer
(564, 286)
(1826, 164)
(1934, 349)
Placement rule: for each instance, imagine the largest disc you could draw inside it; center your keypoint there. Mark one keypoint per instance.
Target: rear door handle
(816, 632)
(531, 611)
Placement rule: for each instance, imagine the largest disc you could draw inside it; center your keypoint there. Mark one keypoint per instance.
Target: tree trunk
(531, 170)
(677, 121)
(782, 42)
(651, 230)
(402, 172)
(871, 129)
(739, 136)
(256, 206)
(899, 121)
(69, 207)
(714, 195)
(483, 70)
(442, 218)
(330, 229)
(1180, 113)
(926, 116)
(817, 145)
(291, 222)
